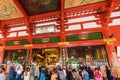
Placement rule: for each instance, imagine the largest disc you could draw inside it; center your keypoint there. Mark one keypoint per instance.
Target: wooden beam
(46, 35)
(14, 47)
(82, 22)
(50, 45)
(50, 14)
(13, 21)
(84, 31)
(86, 43)
(17, 38)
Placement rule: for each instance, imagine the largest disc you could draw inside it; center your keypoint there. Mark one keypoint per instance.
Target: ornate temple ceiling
(8, 10)
(75, 3)
(35, 7)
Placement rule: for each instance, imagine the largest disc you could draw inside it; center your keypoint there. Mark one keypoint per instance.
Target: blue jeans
(11, 77)
(36, 78)
(18, 76)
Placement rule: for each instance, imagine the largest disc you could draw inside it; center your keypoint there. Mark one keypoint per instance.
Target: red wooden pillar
(60, 56)
(111, 51)
(62, 36)
(29, 51)
(2, 51)
(104, 16)
(30, 56)
(4, 32)
(30, 31)
(1, 54)
(66, 57)
(63, 56)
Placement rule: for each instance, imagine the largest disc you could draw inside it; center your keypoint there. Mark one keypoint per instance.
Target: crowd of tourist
(35, 72)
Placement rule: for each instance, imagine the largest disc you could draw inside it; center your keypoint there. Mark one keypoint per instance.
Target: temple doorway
(46, 56)
(20, 56)
(87, 56)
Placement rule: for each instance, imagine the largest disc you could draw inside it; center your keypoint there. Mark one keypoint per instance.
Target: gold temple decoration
(109, 40)
(2, 47)
(63, 43)
(45, 40)
(16, 42)
(83, 36)
(28, 45)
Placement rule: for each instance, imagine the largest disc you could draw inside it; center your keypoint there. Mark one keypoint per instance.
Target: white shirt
(19, 71)
(2, 76)
(27, 77)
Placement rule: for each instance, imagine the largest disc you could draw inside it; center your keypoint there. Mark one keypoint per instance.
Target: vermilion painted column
(62, 36)
(30, 56)
(1, 55)
(105, 20)
(110, 48)
(30, 50)
(60, 60)
(30, 31)
(106, 34)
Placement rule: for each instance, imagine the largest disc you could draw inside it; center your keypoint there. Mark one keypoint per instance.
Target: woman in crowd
(54, 75)
(36, 70)
(32, 71)
(91, 74)
(42, 73)
(97, 74)
(110, 75)
(12, 72)
(69, 75)
(26, 74)
(85, 74)
(19, 70)
(61, 74)
(2, 74)
(76, 74)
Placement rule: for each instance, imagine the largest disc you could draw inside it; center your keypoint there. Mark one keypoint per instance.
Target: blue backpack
(86, 76)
